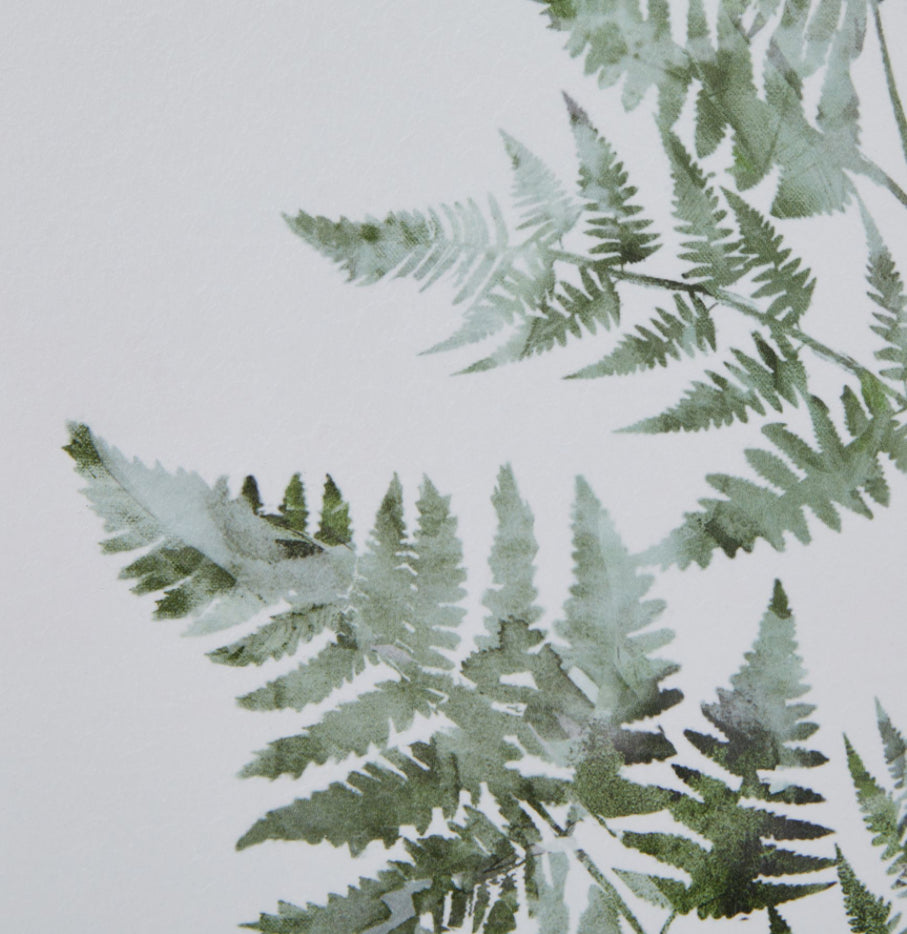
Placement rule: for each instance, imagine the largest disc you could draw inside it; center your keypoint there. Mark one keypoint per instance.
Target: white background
(151, 288)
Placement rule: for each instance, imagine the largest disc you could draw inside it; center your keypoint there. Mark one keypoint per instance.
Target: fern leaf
(757, 715)
(728, 870)
(603, 182)
(571, 311)
(887, 291)
(777, 376)
(867, 913)
(278, 637)
(312, 681)
(214, 558)
(335, 528)
(837, 474)
(710, 250)
(352, 727)
(882, 816)
(895, 749)
(545, 207)
(619, 41)
(294, 508)
(780, 275)
(605, 609)
(667, 337)
(373, 804)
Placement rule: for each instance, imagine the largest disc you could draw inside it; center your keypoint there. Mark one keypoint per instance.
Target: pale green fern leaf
(778, 376)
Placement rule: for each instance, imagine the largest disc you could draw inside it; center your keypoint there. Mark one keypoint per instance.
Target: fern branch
(835, 474)
(894, 96)
(778, 375)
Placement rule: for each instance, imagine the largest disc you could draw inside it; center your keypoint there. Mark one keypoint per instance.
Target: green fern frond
(820, 480)
(619, 42)
(604, 617)
(760, 718)
(867, 913)
(882, 815)
(895, 749)
(280, 636)
(311, 682)
(778, 376)
(667, 337)
(571, 311)
(710, 249)
(546, 208)
(780, 275)
(887, 291)
(604, 184)
(884, 812)
(757, 716)
(216, 560)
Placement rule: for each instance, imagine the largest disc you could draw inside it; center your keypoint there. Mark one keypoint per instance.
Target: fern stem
(590, 866)
(668, 923)
(878, 175)
(894, 96)
(744, 306)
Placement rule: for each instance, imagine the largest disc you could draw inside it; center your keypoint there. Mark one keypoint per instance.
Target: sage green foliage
(523, 728)
(885, 815)
(760, 719)
(745, 67)
(397, 607)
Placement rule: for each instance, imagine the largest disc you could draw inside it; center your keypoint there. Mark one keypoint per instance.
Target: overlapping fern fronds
(522, 729)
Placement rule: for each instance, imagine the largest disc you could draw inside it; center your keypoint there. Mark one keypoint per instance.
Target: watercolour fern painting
(646, 676)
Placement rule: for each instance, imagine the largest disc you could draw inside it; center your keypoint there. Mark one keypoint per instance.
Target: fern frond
(867, 913)
(216, 560)
(667, 337)
(895, 749)
(780, 275)
(778, 376)
(887, 291)
(352, 727)
(604, 184)
(619, 41)
(312, 681)
(835, 474)
(464, 880)
(571, 311)
(757, 716)
(883, 817)
(545, 206)
(711, 250)
(760, 718)
(603, 619)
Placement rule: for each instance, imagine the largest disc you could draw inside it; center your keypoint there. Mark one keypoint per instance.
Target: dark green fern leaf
(779, 275)
(335, 528)
(778, 376)
(604, 184)
(668, 336)
(294, 508)
(867, 913)
(728, 872)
